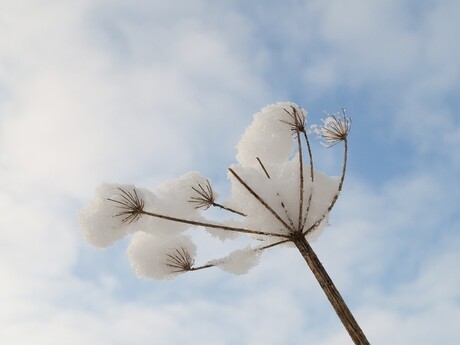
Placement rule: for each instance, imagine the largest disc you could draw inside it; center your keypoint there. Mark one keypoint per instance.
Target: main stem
(331, 291)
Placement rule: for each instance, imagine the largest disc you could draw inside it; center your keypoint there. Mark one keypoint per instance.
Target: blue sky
(141, 92)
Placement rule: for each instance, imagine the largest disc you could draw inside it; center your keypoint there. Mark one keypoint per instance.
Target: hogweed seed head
(204, 197)
(130, 204)
(297, 119)
(180, 260)
(335, 128)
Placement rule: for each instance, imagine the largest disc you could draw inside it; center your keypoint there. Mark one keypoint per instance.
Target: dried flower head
(180, 260)
(297, 119)
(204, 197)
(130, 204)
(335, 128)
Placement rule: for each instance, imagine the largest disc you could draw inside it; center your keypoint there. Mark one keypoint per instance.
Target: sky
(140, 92)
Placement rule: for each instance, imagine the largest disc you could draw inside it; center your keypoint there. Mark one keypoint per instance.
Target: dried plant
(130, 205)
(180, 260)
(269, 208)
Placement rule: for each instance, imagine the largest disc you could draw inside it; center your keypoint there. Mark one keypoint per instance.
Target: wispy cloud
(140, 93)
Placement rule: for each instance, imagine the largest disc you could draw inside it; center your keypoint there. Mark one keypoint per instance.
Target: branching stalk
(211, 225)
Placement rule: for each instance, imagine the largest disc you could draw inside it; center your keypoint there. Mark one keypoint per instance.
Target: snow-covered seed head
(130, 205)
(179, 260)
(204, 196)
(335, 128)
(297, 119)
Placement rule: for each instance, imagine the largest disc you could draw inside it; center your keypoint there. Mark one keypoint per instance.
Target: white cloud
(132, 93)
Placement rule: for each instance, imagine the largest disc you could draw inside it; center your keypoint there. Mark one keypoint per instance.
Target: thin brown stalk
(197, 268)
(299, 144)
(339, 189)
(215, 204)
(312, 178)
(263, 168)
(333, 295)
(277, 194)
(250, 190)
(212, 225)
(273, 244)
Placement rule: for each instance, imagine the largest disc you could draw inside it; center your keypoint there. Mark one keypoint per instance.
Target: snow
(99, 222)
(281, 189)
(151, 256)
(265, 185)
(240, 261)
(173, 199)
(267, 137)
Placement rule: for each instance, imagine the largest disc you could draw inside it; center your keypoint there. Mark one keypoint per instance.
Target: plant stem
(211, 225)
(254, 194)
(339, 305)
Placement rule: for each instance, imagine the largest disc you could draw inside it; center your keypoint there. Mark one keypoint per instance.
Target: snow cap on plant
(276, 197)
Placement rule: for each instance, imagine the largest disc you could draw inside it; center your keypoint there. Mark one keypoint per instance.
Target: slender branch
(336, 196)
(215, 204)
(211, 225)
(299, 143)
(312, 178)
(277, 194)
(197, 268)
(250, 190)
(263, 168)
(273, 244)
(333, 295)
(309, 154)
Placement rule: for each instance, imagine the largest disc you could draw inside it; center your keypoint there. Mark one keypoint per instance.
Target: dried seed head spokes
(297, 120)
(130, 205)
(180, 260)
(204, 197)
(335, 128)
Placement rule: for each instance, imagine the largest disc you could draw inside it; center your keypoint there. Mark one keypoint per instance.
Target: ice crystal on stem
(276, 198)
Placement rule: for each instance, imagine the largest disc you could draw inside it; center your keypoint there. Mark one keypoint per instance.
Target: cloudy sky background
(144, 91)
